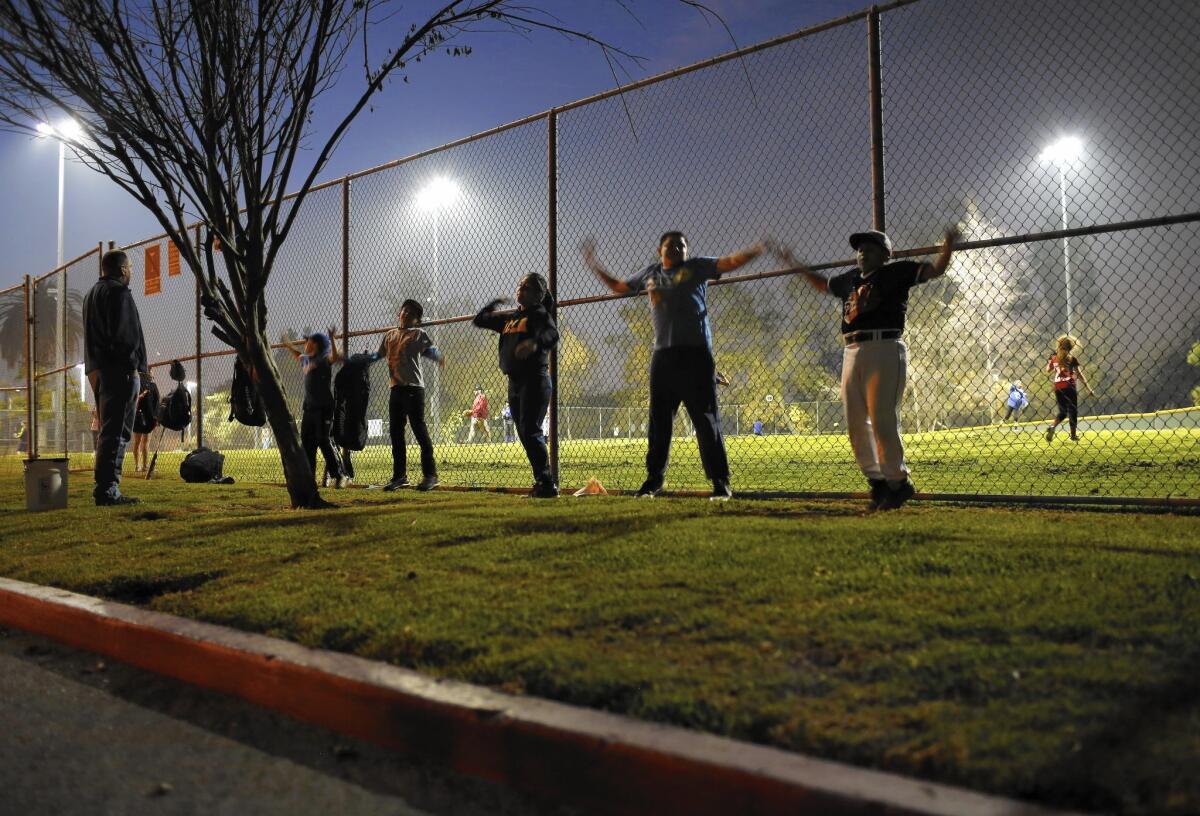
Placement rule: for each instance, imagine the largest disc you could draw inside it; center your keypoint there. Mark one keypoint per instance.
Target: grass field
(998, 460)
(1049, 655)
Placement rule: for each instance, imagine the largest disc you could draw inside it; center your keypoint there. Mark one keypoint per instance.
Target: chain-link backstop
(907, 117)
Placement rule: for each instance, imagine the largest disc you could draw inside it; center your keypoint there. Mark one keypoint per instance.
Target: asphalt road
(82, 735)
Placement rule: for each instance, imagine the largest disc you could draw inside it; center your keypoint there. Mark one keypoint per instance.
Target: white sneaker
(341, 482)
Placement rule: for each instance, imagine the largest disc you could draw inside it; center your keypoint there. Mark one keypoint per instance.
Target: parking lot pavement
(82, 735)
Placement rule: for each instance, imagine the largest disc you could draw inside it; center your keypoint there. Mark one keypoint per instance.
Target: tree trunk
(299, 476)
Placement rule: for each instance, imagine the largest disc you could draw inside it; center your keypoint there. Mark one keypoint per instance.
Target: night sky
(506, 78)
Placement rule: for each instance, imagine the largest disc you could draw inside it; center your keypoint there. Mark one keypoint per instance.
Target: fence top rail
(20, 286)
(70, 263)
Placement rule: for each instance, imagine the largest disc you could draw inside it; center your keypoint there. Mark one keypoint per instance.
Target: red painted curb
(602, 762)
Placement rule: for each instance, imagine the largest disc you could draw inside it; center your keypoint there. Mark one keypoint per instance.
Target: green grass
(1050, 655)
(1127, 463)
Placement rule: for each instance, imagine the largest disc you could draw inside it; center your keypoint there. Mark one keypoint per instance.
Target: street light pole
(436, 196)
(1062, 195)
(1061, 153)
(435, 396)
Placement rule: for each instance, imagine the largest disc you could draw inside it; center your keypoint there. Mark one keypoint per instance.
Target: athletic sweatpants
(529, 399)
(116, 400)
(874, 373)
(684, 374)
(1068, 405)
(406, 404)
(316, 424)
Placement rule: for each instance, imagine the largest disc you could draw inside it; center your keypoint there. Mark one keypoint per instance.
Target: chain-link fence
(1057, 136)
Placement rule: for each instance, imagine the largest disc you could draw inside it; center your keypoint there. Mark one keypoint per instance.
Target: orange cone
(592, 488)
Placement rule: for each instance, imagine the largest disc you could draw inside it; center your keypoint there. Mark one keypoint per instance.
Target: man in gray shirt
(403, 347)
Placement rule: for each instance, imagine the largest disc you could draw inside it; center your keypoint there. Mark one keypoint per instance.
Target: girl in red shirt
(1065, 370)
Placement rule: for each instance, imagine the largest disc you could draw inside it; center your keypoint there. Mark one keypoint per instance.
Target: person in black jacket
(527, 334)
(317, 356)
(114, 360)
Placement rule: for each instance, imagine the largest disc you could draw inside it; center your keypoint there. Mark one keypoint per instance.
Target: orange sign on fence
(153, 269)
(172, 259)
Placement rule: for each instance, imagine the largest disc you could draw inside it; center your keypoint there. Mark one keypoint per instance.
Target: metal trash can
(45, 484)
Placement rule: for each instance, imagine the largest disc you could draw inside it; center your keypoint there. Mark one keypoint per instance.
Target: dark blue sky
(506, 78)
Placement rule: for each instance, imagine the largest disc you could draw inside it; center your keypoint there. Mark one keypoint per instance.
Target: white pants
(873, 379)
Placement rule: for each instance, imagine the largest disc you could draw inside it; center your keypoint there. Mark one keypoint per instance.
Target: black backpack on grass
(244, 404)
(175, 410)
(203, 465)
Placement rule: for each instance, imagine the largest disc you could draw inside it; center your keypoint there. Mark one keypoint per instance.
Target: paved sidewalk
(81, 735)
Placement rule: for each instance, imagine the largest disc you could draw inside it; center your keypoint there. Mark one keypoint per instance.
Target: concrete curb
(602, 762)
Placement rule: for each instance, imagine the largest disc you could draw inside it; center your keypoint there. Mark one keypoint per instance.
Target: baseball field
(1043, 654)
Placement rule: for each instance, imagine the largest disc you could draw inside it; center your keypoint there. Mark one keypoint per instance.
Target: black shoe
(721, 492)
(428, 483)
(106, 501)
(648, 490)
(397, 484)
(895, 498)
(544, 490)
(878, 489)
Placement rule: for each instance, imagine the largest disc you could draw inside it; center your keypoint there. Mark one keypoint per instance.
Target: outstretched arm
(486, 318)
(1083, 379)
(728, 263)
(818, 282)
(588, 248)
(334, 354)
(938, 267)
(293, 346)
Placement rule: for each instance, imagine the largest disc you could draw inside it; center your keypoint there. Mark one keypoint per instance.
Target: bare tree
(200, 109)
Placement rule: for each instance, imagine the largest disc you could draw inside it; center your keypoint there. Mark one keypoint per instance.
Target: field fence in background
(784, 139)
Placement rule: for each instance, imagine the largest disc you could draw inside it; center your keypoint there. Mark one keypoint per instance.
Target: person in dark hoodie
(527, 334)
(114, 359)
(317, 356)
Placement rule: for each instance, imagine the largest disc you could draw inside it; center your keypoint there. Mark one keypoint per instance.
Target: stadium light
(1062, 153)
(439, 194)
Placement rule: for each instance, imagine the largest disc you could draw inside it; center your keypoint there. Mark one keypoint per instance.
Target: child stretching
(317, 356)
(527, 334)
(403, 347)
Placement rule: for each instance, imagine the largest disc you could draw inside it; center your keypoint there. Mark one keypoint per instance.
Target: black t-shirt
(318, 382)
(878, 301)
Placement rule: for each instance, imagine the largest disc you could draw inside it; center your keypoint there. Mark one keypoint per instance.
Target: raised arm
(487, 318)
(334, 354)
(588, 248)
(818, 282)
(938, 267)
(293, 346)
(728, 263)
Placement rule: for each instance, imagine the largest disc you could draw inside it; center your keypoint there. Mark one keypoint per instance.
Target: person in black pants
(403, 347)
(115, 364)
(317, 356)
(681, 368)
(527, 334)
(1064, 370)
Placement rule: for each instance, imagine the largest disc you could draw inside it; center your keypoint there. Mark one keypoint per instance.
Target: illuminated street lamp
(1062, 153)
(439, 194)
(65, 131)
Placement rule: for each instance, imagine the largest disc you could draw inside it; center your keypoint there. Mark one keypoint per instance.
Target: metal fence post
(199, 361)
(30, 412)
(62, 345)
(552, 271)
(876, 101)
(345, 267)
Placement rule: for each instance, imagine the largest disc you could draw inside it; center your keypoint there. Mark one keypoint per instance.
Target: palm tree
(12, 324)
